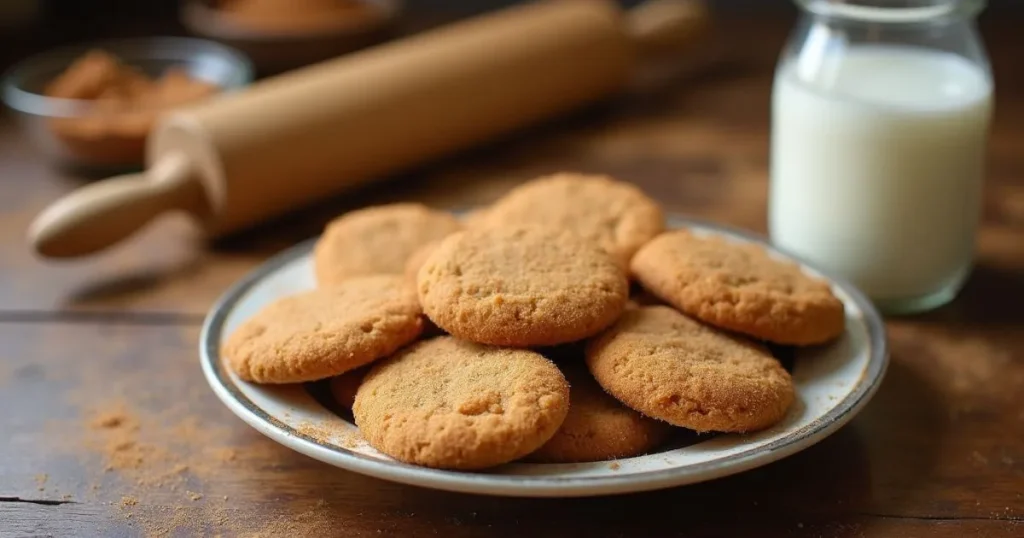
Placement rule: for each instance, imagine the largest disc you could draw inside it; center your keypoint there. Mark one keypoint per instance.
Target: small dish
(833, 383)
(277, 50)
(23, 91)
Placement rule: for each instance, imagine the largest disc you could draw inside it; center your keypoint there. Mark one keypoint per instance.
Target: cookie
(676, 369)
(738, 286)
(451, 404)
(377, 240)
(344, 386)
(598, 427)
(417, 258)
(616, 215)
(325, 332)
(521, 286)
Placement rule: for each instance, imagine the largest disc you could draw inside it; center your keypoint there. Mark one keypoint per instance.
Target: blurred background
(28, 25)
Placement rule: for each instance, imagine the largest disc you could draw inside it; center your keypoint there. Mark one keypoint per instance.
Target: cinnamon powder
(295, 16)
(123, 104)
(154, 455)
(331, 435)
(122, 448)
(187, 473)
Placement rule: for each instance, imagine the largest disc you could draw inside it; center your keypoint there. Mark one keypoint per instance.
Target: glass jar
(880, 120)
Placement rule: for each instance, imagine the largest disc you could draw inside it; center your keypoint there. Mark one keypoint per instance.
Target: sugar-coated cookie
(598, 427)
(325, 332)
(616, 215)
(377, 240)
(451, 404)
(674, 368)
(521, 286)
(417, 258)
(738, 286)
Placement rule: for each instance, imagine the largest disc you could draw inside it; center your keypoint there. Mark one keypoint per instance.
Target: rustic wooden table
(109, 429)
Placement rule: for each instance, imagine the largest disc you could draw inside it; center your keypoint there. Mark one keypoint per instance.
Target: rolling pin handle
(100, 214)
(667, 26)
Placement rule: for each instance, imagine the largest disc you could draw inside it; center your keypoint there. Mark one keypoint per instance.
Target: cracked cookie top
(521, 286)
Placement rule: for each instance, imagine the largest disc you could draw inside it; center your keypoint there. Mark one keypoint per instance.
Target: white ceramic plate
(833, 383)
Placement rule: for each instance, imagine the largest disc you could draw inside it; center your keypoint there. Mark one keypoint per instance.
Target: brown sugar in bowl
(91, 106)
(284, 34)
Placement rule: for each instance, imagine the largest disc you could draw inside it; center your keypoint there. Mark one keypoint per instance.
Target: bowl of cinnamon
(285, 34)
(92, 106)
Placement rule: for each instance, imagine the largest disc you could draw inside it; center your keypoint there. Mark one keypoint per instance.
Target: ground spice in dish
(123, 104)
(295, 16)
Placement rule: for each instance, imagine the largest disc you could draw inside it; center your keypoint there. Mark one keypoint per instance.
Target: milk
(876, 166)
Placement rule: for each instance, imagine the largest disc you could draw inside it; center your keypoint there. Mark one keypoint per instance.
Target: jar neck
(892, 11)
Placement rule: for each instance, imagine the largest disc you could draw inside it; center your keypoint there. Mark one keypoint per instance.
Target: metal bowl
(23, 86)
(273, 52)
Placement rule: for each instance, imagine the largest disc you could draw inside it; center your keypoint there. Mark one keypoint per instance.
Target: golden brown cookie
(325, 332)
(616, 215)
(521, 286)
(673, 368)
(452, 404)
(417, 258)
(737, 286)
(377, 240)
(598, 427)
(344, 386)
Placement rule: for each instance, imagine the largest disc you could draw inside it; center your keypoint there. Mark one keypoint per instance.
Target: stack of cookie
(534, 349)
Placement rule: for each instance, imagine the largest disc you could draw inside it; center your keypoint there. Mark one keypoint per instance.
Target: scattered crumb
(41, 481)
(227, 454)
(317, 521)
(152, 453)
(978, 458)
(614, 466)
(111, 418)
(65, 497)
(339, 434)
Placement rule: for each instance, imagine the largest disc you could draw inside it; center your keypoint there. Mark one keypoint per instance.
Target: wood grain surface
(939, 452)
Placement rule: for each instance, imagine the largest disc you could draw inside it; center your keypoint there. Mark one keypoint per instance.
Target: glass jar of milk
(880, 117)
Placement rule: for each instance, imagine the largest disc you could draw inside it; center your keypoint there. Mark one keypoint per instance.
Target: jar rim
(877, 11)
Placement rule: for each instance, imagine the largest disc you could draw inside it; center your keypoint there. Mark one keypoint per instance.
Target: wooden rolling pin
(286, 141)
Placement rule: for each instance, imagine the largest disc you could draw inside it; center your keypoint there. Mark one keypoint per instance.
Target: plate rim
(547, 486)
